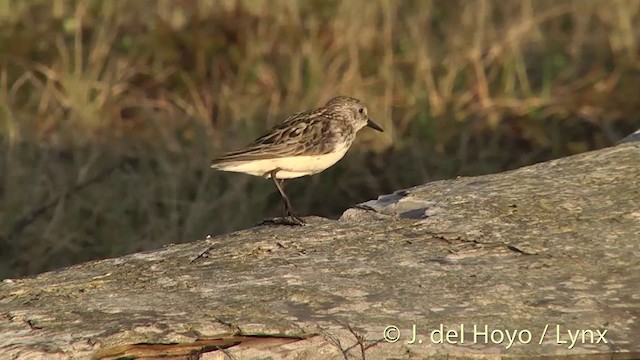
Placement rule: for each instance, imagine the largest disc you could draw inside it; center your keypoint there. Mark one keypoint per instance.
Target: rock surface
(540, 261)
(635, 136)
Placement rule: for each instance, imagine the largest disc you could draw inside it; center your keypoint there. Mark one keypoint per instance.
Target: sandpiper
(306, 143)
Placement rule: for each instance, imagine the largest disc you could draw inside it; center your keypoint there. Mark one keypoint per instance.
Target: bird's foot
(290, 220)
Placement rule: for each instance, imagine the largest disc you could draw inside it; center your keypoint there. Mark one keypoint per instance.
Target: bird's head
(353, 110)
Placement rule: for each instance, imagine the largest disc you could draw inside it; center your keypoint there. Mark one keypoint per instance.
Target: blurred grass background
(111, 110)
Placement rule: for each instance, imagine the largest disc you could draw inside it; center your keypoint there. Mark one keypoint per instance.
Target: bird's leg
(289, 217)
(288, 209)
(285, 207)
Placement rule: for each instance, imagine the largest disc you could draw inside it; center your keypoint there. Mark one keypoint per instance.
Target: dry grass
(134, 97)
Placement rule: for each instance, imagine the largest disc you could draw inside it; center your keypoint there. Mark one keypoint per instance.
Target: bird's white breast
(290, 167)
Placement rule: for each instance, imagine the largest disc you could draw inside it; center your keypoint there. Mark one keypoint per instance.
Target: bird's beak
(373, 125)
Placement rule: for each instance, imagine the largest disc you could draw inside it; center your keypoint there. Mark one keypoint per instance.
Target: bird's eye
(361, 110)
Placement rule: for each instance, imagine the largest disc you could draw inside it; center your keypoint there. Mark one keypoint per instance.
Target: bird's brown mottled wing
(300, 134)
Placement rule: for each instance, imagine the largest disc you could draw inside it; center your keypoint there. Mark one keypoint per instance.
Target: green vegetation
(111, 110)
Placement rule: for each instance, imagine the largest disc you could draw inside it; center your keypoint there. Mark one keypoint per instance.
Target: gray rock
(540, 261)
(635, 136)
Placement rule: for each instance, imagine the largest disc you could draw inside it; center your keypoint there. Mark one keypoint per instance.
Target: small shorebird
(305, 143)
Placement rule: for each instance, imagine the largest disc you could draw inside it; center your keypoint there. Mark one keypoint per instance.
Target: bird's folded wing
(293, 138)
(252, 153)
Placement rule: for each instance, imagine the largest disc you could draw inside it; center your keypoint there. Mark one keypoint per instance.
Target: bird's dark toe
(286, 220)
(297, 220)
